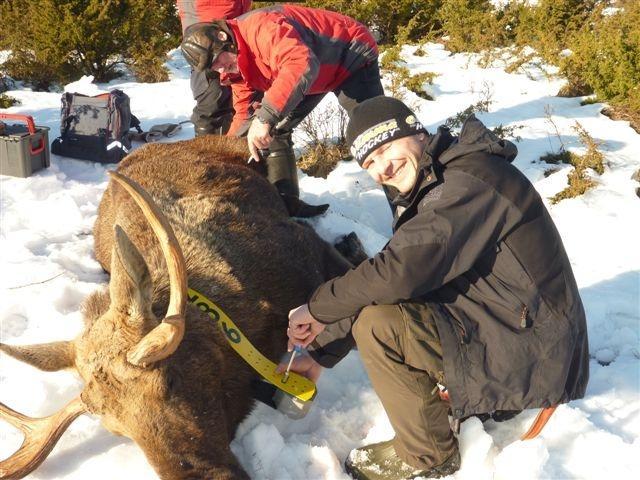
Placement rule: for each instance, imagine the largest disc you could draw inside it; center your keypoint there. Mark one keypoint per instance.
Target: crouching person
(473, 293)
(280, 62)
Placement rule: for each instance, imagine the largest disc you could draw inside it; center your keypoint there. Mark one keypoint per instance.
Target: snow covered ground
(47, 268)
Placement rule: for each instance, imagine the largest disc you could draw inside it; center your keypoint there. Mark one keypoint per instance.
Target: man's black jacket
(474, 240)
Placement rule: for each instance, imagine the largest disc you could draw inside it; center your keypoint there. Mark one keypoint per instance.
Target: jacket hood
(475, 137)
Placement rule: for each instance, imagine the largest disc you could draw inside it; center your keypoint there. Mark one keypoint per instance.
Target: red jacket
(196, 11)
(288, 52)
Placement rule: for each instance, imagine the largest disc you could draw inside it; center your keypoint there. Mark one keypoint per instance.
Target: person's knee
(377, 323)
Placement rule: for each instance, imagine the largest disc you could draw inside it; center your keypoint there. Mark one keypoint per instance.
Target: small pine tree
(606, 55)
(470, 25)
(388, 17)
(55, 41)
(7, 101)
(548, 25)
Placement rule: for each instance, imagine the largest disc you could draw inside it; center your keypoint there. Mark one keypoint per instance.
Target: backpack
(95, 128)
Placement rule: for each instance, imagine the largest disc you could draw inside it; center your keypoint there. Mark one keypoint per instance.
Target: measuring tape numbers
(296, 385)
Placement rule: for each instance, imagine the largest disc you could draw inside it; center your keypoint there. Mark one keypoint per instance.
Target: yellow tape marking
(297, 385)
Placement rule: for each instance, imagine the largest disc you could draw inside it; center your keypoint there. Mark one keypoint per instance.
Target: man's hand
(303, 328)
(305, 366)
(258, 137)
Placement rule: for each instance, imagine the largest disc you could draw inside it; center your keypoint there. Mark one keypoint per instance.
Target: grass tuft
(578, 181)
(7, 101)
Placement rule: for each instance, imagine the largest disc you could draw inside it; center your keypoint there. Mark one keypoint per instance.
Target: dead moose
(155, 368)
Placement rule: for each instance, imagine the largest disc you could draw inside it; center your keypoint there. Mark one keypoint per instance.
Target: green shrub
(5, 83)
(479, 26)
(320, 159)
(590, 101)
(389, 16)
(401, 76)
(149, 69)
(509, 20)
(56, 41)
(390, 58)
(455, 121)
(606, 56)
(471, 25)
(7, 101)
(415, 83)
(577, 181)
(548, 25)
(593, 158)
(563, 156)
(325, 140)
(596, 52)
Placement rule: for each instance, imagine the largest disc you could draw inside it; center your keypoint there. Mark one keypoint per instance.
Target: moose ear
(49, 357)
(130, 286)
(223, 36)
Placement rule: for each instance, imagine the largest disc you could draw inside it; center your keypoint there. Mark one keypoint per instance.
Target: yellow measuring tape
(296, 385)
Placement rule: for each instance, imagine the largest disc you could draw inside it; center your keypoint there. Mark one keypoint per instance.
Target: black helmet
(203, 42)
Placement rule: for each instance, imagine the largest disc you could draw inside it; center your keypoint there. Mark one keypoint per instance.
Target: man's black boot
(203, 125)
(282, 173)
(200, 130)
(381, 462)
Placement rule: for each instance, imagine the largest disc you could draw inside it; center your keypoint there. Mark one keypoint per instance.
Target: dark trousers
(214, 110)
(362, 85)
(401, 351)
(281, 161)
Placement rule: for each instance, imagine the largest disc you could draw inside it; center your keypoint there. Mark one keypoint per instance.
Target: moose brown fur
(240, 249)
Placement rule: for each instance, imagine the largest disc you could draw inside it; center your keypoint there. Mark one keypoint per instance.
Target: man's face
(396, 163)
(225, 62)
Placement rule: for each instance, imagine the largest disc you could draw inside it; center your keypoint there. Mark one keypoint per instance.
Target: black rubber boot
(210, 126)
(282, 173)
(281, 166)
(381, 462)
(200, 130)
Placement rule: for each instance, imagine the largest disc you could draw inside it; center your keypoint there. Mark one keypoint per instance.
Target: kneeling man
(474, 293)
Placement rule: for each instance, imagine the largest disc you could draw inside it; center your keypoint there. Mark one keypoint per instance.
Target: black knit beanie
(377, 121)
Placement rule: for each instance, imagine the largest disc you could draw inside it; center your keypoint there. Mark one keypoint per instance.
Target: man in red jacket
(281, 61)
(213, 111)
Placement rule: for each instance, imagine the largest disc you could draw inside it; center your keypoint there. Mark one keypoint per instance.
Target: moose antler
(40, 436)
(163, 340)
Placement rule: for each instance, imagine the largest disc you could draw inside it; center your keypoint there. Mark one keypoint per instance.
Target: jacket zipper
(461, 329)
